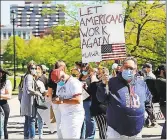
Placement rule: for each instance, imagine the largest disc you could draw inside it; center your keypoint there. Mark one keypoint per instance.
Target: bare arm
(75, 100)
(7, 95)
(8, 91)
(49, 93)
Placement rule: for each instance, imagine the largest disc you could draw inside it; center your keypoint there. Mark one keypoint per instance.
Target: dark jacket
(161, 90)
(124, 115)
(97, 108)
(152, 87)
(52, 85)
(44, 80)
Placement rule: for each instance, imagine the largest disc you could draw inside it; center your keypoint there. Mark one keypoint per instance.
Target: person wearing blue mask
(69, 99)
(127, 97)
(89, 125)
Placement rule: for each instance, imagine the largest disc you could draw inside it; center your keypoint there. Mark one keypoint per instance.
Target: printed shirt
(72, 87)
(125, 112)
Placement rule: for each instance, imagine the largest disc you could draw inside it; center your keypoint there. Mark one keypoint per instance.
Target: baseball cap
(114, 66)
(55, 74)
(44, 67)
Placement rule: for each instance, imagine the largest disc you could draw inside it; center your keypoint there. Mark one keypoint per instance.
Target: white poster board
(45, 115)
(100, 25)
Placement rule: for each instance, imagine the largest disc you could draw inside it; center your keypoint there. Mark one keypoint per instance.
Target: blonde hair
(60, 63)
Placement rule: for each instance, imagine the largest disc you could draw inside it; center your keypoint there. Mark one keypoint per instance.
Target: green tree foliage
(144, 31)
(20, 49)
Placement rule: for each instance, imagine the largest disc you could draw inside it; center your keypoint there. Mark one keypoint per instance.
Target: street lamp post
(13, 14)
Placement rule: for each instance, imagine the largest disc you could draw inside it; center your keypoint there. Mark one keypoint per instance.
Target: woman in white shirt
(5, 94)
(69, 90)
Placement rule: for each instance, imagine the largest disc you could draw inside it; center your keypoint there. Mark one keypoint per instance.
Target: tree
(144, 32)
(143, 39)
(20, 50)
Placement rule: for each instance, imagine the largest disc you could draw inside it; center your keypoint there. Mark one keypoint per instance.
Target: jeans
(163, 134)
(163, 110)
(2, 118)
(6, 109)
(29, 127)
(89, 126)
(40, 126)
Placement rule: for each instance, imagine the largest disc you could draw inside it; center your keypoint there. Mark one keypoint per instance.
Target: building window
(19, 33)
(28, 35)
(9, 34)
(4, 35)
(24, 35)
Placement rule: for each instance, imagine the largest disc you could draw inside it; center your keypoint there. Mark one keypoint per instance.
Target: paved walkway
(15, 126)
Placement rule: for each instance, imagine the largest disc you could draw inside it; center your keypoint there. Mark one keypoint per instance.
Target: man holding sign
(126, 100)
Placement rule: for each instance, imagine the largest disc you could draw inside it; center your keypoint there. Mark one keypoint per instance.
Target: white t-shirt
(72, 87)
(41, 86)
(8, 86)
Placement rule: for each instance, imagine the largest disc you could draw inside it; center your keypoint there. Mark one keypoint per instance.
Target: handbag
(40, 101)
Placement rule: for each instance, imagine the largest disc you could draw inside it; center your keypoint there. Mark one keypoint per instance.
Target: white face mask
(33, 71)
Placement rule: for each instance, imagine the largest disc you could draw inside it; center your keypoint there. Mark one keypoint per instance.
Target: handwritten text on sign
(100, 25)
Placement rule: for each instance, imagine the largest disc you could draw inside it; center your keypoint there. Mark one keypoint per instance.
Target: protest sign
(100, 25)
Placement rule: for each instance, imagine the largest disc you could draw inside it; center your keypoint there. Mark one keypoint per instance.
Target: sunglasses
(131, 68)
(33, 68)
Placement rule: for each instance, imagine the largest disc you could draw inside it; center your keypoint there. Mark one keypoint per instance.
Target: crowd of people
(115, 101)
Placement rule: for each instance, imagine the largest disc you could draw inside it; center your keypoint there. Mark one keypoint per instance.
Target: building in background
(7, 31)
(30, 15)
(23, 32)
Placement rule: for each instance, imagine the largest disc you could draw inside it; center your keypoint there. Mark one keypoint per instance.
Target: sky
(5, 10)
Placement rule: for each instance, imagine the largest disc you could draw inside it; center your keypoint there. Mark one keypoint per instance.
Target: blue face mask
(128, 75)
(84, 72)
(61, 83)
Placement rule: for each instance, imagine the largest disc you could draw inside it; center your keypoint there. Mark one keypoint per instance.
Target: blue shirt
(126, 104)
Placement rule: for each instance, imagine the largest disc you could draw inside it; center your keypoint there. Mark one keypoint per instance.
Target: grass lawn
(17, 84)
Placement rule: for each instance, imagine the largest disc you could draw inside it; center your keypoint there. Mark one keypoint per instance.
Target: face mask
(39, 74)
(33, 72)
(127, 75)
(84, 72)
(61, 83)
